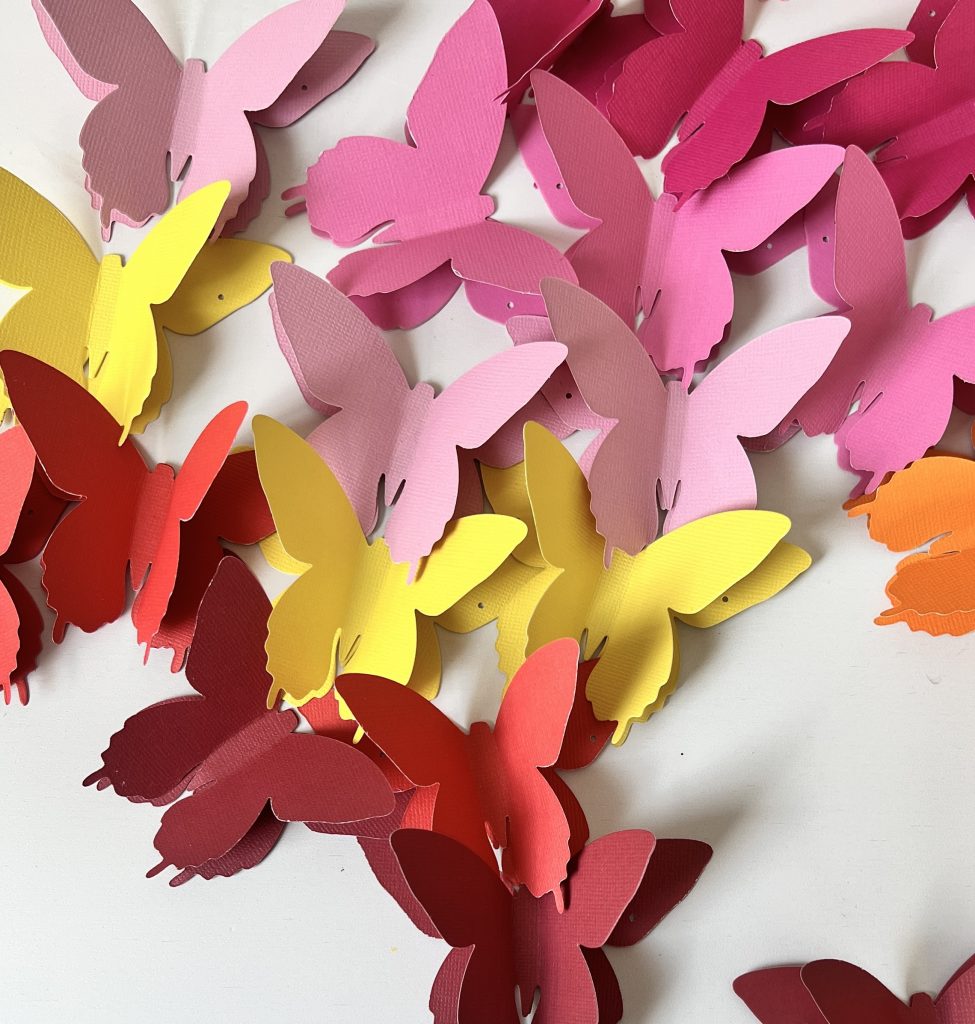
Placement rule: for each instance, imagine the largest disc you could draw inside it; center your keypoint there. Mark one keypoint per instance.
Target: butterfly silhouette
(503, 941)
(246, 768)
(377, 426)
(150, 107)
(919, 112)
(655, 256)
(837, 992)
(932, 591)
(28, 512)
(490, 789)
(429, 188)
(78, 309)
(668, 445)
(352, 601)
(896, 361)
(719, 87)
(558, 584)
(128, 518)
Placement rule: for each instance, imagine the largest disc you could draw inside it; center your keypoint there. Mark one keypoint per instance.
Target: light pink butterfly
(668, 446)
(656, 256)
(430, 188)
(897, 362)
(722, 87)
(920, 112)
(150, 106)
(378, 428)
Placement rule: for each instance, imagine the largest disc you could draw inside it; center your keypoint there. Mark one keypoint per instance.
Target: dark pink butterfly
(150, 106)
(837, 992)
(429, 187)
(721, 87)
(246, 768)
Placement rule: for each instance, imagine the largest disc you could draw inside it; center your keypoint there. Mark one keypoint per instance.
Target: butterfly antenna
(161, 866)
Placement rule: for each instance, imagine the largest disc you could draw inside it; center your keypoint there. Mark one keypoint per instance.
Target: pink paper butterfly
(378, 427)
(429, 187)
(653, 255)
(668, 445)
(897, 362)
(921, 112)
(724, 86)
(150, 106)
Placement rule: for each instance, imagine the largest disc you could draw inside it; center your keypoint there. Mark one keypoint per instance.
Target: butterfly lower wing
(846, 994)
(776, 995)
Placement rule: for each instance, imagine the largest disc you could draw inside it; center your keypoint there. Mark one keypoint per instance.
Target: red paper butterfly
(248, 771)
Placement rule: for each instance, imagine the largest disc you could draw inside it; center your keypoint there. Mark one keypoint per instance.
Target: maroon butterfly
(247, 770)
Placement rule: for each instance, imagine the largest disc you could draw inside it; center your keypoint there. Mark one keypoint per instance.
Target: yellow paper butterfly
(556, 584)
(111, 315)
(353, 604)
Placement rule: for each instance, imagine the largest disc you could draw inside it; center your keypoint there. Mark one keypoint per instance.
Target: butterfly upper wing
(661, 80)
(343, 363)
(776, 995)
(125, 139)
(76, 441)
(303, 494)
(43, 251)
(955, 1002)
(465, 415)
(609, 260)
(470, 906)
(846, 994)
(529, 731)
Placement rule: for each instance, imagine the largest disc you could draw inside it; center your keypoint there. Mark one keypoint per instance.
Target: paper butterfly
(668, 445)
(128, 520)
(651, 255)
(624, 608)
(919, 112)
(234, 509)
(378, 427)
(155, 116)
(721, 87)
(837, 992)
(931, 501)
(247, 770)
(490, 791)
(28, 512)
(505, 942)
(353, 603)
(79, 309)
(896, 361)
(429, 187)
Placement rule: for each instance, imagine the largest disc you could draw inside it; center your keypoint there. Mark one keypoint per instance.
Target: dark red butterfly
(28, 512)
(503, 941)
(837, 992)
(247, 769)
(127, 517)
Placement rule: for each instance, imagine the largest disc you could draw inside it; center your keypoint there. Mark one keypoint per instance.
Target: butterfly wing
(44, 252)
(469, 906)
(674, 70)
(846, 994)
(465, 415)
(76, 441)
(125, 139)
(530, 822)
(954, 1003)
(784, 78)
(343, 365)
(776, 995)
(122, 353)
(609, 260)
(306, 622)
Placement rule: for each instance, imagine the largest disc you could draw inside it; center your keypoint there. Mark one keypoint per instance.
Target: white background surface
(828, 761)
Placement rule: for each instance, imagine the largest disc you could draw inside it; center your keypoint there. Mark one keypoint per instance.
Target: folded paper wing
(247, 770)
(354, 605)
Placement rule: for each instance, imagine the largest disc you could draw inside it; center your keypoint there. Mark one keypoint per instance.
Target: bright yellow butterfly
(353, 604)
(556, 583)
(110, 314)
